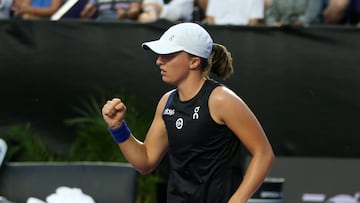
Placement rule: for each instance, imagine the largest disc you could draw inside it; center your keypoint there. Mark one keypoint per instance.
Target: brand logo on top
(169, 112)
(196, 113)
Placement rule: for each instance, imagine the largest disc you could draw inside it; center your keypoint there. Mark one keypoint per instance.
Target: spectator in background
(293, 12)
(341, 12)
(334, 11)
(266, 5)
(202, 4)
(5, 7)
(36, 9)
(175, 10)
(234, 12)
(199, 10)
(112, 10)
(267, 2)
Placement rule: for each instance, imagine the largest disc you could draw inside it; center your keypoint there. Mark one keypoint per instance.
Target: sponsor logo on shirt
(169, 112)
(196, 113)
(179, 123)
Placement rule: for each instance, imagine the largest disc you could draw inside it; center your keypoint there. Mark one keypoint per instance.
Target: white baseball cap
(188, 37)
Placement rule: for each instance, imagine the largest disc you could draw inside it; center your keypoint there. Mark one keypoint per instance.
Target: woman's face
(174, 67)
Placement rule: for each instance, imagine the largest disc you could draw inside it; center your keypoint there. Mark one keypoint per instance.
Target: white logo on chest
(179, 123)
(169, 112)
(196, 113)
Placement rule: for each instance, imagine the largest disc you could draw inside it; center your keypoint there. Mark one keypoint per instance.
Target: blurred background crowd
(211, 12)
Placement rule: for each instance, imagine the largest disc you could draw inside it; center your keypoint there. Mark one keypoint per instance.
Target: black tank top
(204, 157)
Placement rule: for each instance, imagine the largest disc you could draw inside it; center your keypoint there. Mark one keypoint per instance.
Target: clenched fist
(114, 112)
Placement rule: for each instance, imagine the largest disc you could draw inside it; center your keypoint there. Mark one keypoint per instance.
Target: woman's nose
(159, 61)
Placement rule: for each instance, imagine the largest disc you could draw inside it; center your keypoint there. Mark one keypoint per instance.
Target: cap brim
(161, 47)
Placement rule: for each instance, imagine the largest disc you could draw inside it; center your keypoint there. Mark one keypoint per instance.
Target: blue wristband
(120, 134)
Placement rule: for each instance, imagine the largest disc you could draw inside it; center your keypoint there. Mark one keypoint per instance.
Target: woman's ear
(195, 62)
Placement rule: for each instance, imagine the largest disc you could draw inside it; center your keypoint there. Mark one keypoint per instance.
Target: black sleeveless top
(205, 157)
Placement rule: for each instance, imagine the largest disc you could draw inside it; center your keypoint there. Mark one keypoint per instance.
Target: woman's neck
(189, 89)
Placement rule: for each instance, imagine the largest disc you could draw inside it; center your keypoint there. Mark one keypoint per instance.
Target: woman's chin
(167, 81)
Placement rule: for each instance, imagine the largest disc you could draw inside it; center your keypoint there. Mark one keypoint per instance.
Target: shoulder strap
(170, 98)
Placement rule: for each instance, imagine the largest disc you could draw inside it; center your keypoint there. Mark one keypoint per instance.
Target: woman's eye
(169, 56)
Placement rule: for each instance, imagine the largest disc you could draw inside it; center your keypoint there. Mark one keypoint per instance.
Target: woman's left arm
(229, 109)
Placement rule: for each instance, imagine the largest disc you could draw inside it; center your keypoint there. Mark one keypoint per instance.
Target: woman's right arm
(144, 156)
